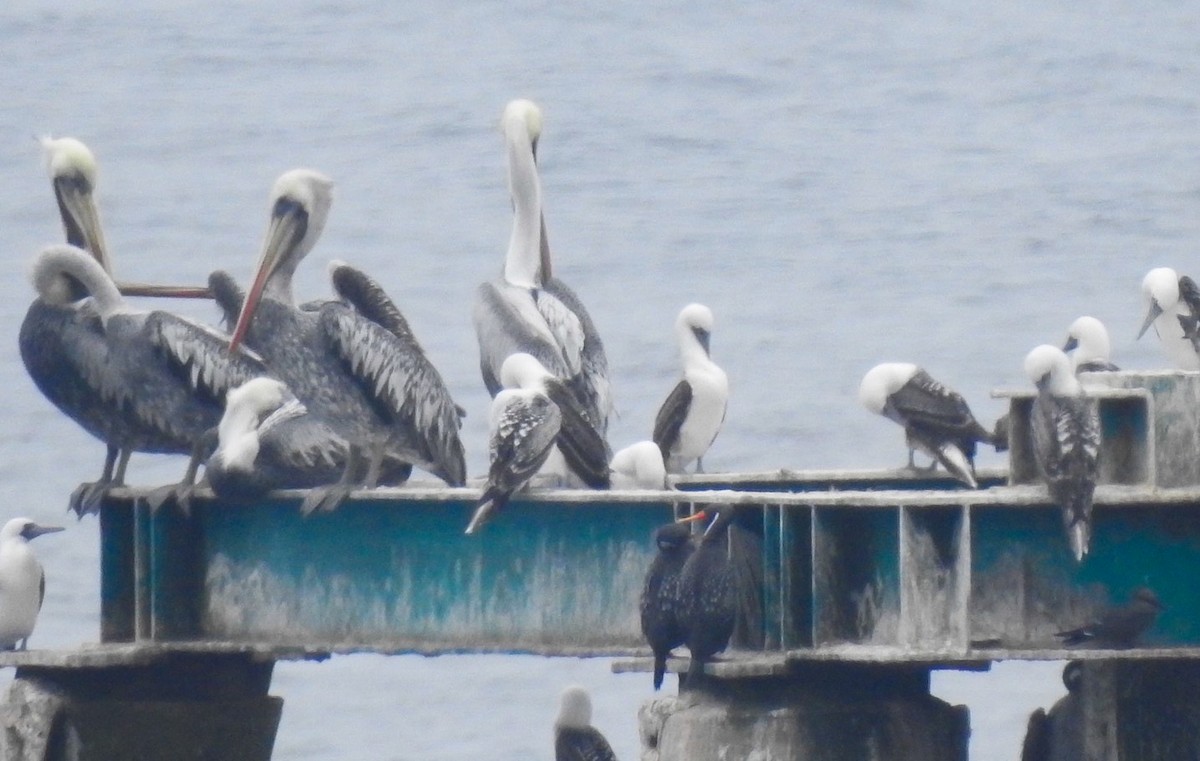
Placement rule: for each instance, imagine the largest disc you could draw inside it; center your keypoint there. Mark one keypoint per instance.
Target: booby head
(639, 466)
(881, 381)
(1050, 370)
(248, 408)
(574, 708)
(1160, 292)
(72, 169)
(1088, 338)
(694, 326)
(300, 201)
(523, 119)
(23, 530)
(521, 370)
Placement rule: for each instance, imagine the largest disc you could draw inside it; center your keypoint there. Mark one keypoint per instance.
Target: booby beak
(1073, 342)
(33, 530)
(1151, 316)
(704, 337)
(80, 217)
(289, 221)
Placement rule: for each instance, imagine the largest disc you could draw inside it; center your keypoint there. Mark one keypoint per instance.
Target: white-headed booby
(639, 466)
(1065, 427)
(22, 582)
(575, 739)
(689, 420)
(1088, 346)
(1173, 308)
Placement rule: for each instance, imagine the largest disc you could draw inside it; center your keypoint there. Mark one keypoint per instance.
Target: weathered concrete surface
(31, 717)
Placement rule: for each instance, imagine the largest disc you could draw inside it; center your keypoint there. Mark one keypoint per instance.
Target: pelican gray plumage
(575, 739)
(139, 381)
(689, 420)
(1173, 308)
(1064, 425)
(1088, 346)
(638, 466)
(353, 361)
(22, 582)
(527, 309)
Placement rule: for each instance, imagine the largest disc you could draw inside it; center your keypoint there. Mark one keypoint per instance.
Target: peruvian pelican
(575, 739)
(936, 419)
(353, 362)
(1173, 308)
(689, 420)
(537, 427)
(1065, 427)
(141, 381)
(527, 309)
(1088, 346)
(638, 466)
(267, 440)
(22, 582)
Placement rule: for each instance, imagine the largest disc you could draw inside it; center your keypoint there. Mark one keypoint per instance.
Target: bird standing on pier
(638, 466)
(1173, 308)
(527, 309)
(1088, 346)
(660, 605)
(689, 420)
(708, 591)
(936, 419)
(575, 739)
(1117, 627)
(22, 582)
(353, 362)
(1065, 427)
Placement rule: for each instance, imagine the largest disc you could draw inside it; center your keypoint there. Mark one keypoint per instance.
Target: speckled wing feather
(585, 744)
(585, 450)
(201, 354)
(931, 407)
(592, 383)
(1066, 444)
(525, 428)
(506, 322)
(670, 417)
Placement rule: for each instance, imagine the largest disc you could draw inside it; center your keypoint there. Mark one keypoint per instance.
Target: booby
(936, 419)
(527, 309)
(353, 362)
(660, 605)
(575, 739)
(638, 466)
(1173, 308)
(22, 582)
(689, 420)
(537, 427)
(708, 591)
(1119, 626)
(1088, 347)
(139, 381)
(1065, 427)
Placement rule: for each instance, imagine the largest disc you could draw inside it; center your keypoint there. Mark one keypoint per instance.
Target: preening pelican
(527, 309)
(575, 739)
(1065, 427)
(1088, 346)
(1173, 308)
(22, 582)
(353, 362)
(689, 420)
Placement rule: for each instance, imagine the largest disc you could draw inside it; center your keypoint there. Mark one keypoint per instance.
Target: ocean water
(944, 182)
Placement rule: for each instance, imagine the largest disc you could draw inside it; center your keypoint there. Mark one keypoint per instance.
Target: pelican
(139, 381)
(638, 466)
(353, 362)
(689, 420)
(575, 739)
(936, 419)
(1088, 346)
(537, 427)
(1173, 308)
(1065, 428)
(267, 440)
(527, 309)
(22, 582)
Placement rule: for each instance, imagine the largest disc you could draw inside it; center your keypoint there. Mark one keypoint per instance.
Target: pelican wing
(201, 354)
(564, 325)
(507, 321)
(592, 382)
(228, 295)
(524, 428)
(368, 297)
(299, 442)
(585, 450)
(670, 417)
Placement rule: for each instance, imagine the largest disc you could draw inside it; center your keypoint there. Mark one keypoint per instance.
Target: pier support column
(821, 712)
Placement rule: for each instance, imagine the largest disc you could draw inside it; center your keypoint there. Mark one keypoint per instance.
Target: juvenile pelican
(575, 739)
(22, 582)
(353, 362)
(689, 420)
(1173, 308)
(639, 466)
(1065, 427)
(1088, 346)
(527, 309)
(936, 419)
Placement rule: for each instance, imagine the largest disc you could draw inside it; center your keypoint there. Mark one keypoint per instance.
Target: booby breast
(689, 420)
(22, 582)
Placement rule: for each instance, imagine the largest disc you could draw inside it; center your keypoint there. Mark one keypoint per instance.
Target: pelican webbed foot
(88, 497)
(325, 499)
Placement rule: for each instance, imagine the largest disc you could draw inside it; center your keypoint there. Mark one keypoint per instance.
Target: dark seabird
(527, 309)
(139, 381)
(22, 582)
(1065, 427)
(708, 591)
(689, 420)
(1118, 627)
(936, 419)
(660, 604)
(1088, 346)
(1037, 744)
(575, 739)
(353, 362)
(638, 466)
(1173, 308)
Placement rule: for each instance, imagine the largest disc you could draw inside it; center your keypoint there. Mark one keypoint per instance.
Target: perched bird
(660, 605)
(708, 591)
(689, 420)
(575, 739)
(1173, 308)
(1117, 627)
(22, 582)
(352, 361)
(638, 466)
(1065, 427)
(1088, 346)
(936, 420)
(527, 309)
